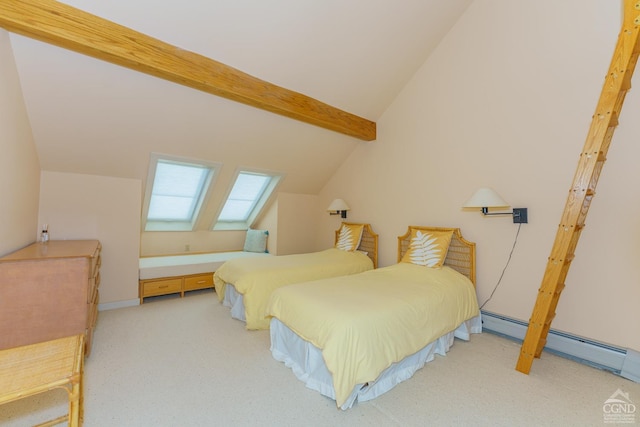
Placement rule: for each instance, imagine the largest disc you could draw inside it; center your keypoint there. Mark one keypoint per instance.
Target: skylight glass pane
(176, 191)
(246, 192)
(170, 208)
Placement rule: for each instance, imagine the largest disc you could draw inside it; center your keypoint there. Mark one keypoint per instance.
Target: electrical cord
(515, 240)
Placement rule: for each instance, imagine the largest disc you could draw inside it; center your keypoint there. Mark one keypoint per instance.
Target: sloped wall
(506, 101)
(19, 165)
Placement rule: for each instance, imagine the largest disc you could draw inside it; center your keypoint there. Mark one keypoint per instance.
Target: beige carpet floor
(185, 362)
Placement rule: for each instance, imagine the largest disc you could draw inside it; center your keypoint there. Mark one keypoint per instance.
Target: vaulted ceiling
(94, 117)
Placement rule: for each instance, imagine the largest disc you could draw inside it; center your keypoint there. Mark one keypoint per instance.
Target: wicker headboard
(368, 243)
(461, 255)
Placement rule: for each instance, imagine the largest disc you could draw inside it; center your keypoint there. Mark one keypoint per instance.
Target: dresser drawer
(94, 283)
(93, 319)
(160, 287)
(96, 262)
(199, 281)
(93, 297)
(93, 311)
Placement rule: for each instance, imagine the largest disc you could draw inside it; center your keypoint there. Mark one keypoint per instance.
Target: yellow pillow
(349, 237)
(428, 248)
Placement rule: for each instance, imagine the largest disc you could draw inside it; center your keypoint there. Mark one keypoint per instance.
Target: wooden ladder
(592, 158)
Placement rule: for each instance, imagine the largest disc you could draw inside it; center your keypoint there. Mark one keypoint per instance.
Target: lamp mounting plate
(520, 216)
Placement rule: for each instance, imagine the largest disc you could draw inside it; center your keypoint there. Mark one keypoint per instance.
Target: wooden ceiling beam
(71, 28)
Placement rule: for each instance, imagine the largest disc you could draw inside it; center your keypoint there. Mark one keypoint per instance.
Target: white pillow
(256, 241)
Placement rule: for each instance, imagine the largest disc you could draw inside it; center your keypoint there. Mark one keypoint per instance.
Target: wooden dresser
(48, 291)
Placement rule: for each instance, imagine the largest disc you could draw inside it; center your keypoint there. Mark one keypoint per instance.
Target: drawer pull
(163, 286)
(202, 281)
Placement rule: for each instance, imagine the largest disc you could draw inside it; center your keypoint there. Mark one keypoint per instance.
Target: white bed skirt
(305, 360)
(233, 300)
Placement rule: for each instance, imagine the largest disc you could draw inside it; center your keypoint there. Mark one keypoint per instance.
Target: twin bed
(352, 333)
(245, 285)
(353, 338)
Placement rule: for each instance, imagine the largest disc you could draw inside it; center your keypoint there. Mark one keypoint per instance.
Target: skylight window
(176, 191)
(247, 197)
(244, 195)
(174, 199)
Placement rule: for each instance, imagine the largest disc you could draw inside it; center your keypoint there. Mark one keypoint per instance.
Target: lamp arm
(495, 213)
(485, 211)
(519, 214)
(343, 214)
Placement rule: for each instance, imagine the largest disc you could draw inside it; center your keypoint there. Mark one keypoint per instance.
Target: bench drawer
(199, 281)
(160, 287)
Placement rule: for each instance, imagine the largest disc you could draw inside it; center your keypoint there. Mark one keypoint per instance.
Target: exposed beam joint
(71, 28)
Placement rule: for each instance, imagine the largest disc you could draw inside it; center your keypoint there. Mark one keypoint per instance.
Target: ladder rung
(550, 317)
(562, 261)
(571, 228)
(599, 156)
(553, 293)
(626, 85)
(550, 288)
(541, 344)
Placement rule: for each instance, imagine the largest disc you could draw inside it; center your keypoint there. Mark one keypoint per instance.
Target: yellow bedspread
(365, 322)
(257, 278)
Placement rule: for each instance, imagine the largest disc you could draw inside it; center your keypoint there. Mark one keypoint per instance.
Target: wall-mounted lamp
(485, 198)
(338, 207)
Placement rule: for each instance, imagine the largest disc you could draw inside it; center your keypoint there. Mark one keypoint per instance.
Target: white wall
(298, 215)
(19, 165)
(506, 101)
(78, 206)
(157, 243)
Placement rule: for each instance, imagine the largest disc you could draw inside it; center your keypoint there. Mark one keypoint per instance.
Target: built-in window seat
(164, 275)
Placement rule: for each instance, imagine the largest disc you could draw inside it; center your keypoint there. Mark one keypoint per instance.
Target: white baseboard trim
(118, 304)
(621, 361)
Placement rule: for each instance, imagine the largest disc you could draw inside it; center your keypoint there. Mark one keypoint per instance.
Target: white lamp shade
(485, 198)
(338, 205)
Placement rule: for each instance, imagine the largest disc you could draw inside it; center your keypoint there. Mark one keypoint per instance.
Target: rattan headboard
(368, 243)
(461, 255)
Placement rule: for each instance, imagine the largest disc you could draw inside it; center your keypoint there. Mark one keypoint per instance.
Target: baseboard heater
(621, 361)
